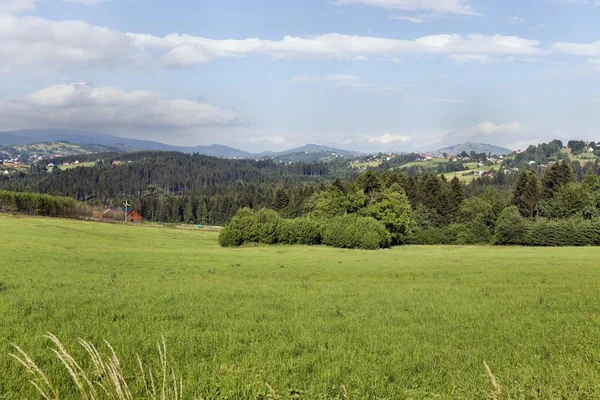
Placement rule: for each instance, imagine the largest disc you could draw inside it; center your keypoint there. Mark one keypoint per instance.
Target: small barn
(135, 216)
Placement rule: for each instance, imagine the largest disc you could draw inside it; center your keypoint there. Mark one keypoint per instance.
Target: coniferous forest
(530, 203)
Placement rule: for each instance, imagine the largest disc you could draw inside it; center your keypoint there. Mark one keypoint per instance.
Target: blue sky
(359, 74)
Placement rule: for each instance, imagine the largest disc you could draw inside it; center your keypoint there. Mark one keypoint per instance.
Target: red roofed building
(135, 216)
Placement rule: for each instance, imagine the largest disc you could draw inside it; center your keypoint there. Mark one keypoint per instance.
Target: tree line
(515, 206)
(175, 187)
(42, 205)
(538, 209)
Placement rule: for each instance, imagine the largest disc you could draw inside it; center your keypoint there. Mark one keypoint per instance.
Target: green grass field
(83, 164)
(372, 164)
(407, 323)
(434, 162)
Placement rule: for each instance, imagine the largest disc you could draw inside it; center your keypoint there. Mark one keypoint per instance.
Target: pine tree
(558, 175)
(526, 193)
(456, 197)
(369, 183)
(188, 211)
(281, 199)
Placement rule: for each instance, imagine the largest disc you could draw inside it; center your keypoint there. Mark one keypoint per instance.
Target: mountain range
(32, 136)
(476, 147)
(309, 152)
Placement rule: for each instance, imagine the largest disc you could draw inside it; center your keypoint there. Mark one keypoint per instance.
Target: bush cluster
(562, 233)
(431, 236)
(354, 232)
(266, 226)
(513, 229)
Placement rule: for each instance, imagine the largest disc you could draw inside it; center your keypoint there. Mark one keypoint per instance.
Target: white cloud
(184, 50)
(413, 19)
(470, 58)
(29, 41)
(515, 20)
(491, 128)
(277, 140)
(594, 62)
(459, 7)
(32, 41)
(595, 2)
(16, 6)
(577, 49)
(388, 138)
(80, 105)
(88, 2)
(344, 81)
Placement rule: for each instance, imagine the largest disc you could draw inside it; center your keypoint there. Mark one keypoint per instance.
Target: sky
(367, 75)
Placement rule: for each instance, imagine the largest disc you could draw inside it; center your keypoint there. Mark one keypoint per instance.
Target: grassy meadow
(312, 322)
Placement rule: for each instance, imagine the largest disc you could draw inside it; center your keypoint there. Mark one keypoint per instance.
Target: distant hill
(307, 153)
(476, 147)
(307, 149)
(32, 136)
(30, 152)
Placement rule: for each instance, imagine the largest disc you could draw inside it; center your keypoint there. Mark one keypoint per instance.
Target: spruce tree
(526, 193)
(557, 176)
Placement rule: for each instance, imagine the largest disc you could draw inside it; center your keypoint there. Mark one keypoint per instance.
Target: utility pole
(126, 204)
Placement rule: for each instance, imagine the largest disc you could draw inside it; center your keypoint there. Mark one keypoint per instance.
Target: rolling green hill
(316, 322)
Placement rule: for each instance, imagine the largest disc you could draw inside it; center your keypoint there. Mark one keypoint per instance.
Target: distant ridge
(33, 136)
(476, 147)
(308, 148)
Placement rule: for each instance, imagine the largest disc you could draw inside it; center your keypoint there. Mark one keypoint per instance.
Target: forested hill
(476, 147)
(163, 184)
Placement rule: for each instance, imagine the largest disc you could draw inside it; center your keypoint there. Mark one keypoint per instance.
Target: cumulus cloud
(344, 81)
(29, 41)
(578, 49)
(459, 7)
(16, 6)
(388, 138)
(32, 41)
(275, 141)
(492, 128)
(184, 50)
(82, 106)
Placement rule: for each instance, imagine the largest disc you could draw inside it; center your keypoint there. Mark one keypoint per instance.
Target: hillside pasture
(468, 178)
(81, 164)
(434, 162)
(312, 322)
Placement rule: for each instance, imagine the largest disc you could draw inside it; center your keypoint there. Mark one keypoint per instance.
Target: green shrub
(472, 233)
(266, 226)
(267, 222)
(306, 231)
(243, 228)
(562, 233)
(353, 232)
(511, 227)
(431, 236)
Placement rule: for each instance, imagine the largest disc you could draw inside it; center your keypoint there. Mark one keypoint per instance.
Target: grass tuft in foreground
(106, 379)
